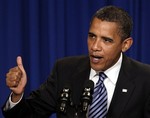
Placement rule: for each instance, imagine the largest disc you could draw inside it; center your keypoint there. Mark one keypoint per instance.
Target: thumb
(20, 64)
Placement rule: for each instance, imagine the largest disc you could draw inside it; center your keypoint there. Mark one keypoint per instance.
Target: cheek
(110, 60)
(112, 54)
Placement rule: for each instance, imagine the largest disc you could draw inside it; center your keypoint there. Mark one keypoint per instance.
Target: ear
(126, 44)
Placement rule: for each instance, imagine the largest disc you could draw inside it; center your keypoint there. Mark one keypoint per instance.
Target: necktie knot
(102, 77)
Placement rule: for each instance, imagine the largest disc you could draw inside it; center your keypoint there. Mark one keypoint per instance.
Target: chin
(96, 68)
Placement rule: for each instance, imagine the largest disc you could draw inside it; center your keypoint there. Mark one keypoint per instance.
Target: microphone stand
(76, 112)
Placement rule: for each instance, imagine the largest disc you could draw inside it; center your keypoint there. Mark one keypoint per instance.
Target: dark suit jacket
(134, 77)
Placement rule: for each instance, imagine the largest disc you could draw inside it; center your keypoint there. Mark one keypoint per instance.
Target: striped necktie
(98, 108)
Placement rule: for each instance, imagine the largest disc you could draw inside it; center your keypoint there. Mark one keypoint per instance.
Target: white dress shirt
(110, 82)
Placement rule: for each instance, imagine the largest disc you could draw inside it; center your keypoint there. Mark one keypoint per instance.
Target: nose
(96, 46)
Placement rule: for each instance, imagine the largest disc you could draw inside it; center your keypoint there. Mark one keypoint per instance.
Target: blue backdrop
(42, 31)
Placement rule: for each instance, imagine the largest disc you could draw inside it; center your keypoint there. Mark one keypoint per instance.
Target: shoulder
(139, 64)
(136, 66)
(73, 59)
(135, 71)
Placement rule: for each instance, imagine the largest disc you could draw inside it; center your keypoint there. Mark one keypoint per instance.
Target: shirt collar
(112, 73)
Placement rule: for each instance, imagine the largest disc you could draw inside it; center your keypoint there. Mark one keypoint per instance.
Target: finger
(20, 64)
(12, 78)
(14, 69)
(12, 83)
(14, 75)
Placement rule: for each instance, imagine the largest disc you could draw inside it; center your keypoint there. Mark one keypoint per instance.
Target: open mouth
(95, 56)
(96, 59)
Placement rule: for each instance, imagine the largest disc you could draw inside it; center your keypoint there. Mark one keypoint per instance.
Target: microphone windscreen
(67, 85)
(89, 84)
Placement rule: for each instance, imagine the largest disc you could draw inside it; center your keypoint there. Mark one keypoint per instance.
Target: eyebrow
(90, 33)
(103, 37)
(109, 39)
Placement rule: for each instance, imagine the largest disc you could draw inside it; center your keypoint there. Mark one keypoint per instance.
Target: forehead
(102, 23)
(99, 26)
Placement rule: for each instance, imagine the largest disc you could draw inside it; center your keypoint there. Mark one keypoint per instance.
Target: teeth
(96, 59)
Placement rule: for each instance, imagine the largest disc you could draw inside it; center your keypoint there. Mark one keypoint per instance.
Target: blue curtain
(41, 31)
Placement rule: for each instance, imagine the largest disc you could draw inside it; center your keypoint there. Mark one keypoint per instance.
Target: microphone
(87, 94)
(64, 99)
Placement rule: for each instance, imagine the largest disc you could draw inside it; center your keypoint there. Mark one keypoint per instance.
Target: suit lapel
(123, 91)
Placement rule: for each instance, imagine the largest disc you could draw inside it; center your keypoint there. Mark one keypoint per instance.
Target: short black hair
(117, 15)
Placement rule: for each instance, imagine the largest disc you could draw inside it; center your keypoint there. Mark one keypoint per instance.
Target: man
(127, 81)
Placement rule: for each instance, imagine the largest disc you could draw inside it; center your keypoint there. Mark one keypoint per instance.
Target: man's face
(104, 44)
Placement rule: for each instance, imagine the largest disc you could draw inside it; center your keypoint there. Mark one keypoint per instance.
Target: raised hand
(16, 80)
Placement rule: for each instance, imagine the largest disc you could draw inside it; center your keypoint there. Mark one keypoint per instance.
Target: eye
(106, 39)
(91, 36)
